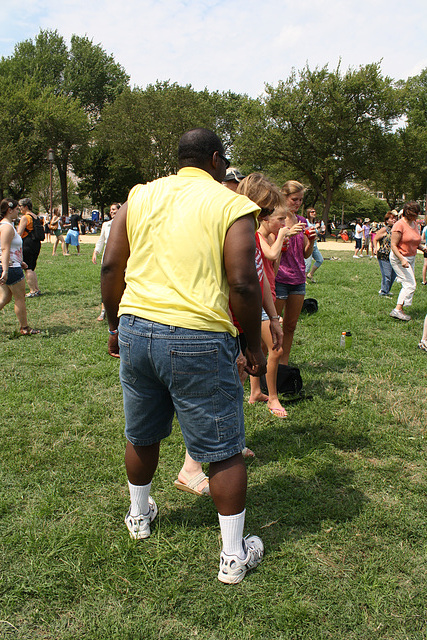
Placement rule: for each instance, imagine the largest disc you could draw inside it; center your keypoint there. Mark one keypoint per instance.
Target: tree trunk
(62, 166)
(328, 199)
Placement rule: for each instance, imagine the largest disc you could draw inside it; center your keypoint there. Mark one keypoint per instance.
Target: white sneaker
(139, 526)
(232, 569)
(399, 315)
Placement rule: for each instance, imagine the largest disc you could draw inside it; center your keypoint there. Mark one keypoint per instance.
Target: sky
(236, 45)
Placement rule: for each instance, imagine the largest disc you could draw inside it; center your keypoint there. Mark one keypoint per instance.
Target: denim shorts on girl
(14, 275)
(284, 290)
(166, 370)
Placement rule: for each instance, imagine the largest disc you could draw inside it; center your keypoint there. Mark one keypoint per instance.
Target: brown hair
(389, 215)
(261, 191)
(411, 207)
(6, 204)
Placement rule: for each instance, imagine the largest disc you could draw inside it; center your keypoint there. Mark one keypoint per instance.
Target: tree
(141, 129)
(84, 76)
(325, 125)
(103, 178)
(61, 121)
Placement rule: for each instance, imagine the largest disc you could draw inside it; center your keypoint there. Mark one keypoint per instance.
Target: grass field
(338, 491)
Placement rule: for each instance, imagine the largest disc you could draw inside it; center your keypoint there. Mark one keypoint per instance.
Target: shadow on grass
(293, 507)
(58, 330)
(68, 292)
(287, 507)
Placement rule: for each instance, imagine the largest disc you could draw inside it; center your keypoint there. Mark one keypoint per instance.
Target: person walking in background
(405, 240)
(46, 223)
(382, 249)
(73, 233)
(101, 244)
(56, 230)
(178, 346)
(12, 279)
(358, 236)
(366, 234)
(310, 266)
(30, 245)
(423, 342)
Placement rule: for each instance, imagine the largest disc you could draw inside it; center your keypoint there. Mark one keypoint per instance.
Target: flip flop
(279, 413)
(193, 483)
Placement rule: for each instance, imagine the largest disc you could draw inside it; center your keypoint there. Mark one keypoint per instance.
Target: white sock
(139, 499)
(232, 534)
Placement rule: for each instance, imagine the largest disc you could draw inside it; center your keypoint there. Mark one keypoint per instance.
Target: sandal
(27, 331)
(193, 483)
(279, 413)
(248, 453)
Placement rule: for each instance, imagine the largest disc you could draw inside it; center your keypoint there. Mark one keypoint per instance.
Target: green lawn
(338, 491)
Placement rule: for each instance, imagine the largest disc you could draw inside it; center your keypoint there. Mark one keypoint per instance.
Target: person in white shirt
(101, 244)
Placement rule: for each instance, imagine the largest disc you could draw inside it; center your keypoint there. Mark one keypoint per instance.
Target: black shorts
(30, 251)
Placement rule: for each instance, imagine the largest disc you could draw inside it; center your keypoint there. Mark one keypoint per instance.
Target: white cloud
(235, 44)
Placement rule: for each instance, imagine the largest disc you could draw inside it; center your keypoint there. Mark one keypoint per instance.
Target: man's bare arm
(112, 273)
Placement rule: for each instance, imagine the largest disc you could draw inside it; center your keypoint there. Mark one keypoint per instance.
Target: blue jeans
(388, 276)
(166, 369)
(316, 256)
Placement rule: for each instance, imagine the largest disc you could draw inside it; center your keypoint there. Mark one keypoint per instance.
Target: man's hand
(257, 364)
(113, 345)
(276, 334)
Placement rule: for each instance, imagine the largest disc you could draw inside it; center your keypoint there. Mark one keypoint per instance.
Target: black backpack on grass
(289, 381)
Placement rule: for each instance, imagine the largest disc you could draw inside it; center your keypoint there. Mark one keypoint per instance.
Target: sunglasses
(227, 162)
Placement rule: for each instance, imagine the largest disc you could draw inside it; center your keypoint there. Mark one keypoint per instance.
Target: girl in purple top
(290, 278)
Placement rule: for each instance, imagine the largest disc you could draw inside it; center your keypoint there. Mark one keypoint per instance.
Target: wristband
(113, 333)
(274, 317)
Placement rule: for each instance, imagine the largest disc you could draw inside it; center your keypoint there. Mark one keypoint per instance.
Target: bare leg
(102, 314)
(256, 394)
(32, 280)
(425, 270)
(18, 291)
(228, 485)
(5, 295)
(55, 244)
(425, 330)
(191, 468)
(292, 310)
(271, 375)
(141, 462)
(312, 271)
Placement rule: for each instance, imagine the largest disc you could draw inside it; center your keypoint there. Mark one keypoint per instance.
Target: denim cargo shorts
(165, 370)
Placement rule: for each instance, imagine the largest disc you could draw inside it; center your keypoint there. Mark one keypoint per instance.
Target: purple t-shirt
(292, 265)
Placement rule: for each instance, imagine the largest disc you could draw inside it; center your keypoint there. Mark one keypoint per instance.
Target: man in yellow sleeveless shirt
(187, 247)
